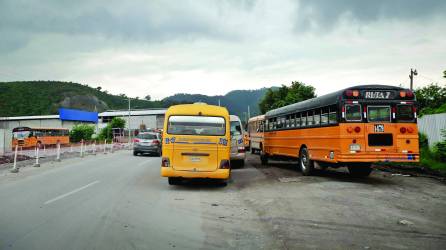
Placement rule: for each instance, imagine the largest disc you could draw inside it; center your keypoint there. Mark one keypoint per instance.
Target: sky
(162, 47)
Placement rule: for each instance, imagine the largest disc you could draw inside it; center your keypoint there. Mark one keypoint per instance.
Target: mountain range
(23, 98)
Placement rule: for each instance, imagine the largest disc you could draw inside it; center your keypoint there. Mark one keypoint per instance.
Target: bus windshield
(404, 112)
(236, 128)
(20, 135)
(196, 125)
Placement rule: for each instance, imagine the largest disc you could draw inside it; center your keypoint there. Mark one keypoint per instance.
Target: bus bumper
(217, 174)
(378, 157)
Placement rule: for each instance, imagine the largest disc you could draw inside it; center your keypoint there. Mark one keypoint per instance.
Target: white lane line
(71, 192)
(144, 163)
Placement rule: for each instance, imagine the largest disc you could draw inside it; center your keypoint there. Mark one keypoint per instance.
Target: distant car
(147, 143)
(237, 142)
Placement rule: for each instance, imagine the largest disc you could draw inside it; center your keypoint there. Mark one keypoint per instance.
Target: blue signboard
(77, 115)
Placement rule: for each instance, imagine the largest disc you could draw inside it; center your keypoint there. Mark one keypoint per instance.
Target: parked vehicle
(238, 155)
(255, 133)
(353, 127)
(26, 137)
(196, 143)
(147, 143)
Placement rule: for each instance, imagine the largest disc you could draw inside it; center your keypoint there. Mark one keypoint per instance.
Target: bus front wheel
(305, 163)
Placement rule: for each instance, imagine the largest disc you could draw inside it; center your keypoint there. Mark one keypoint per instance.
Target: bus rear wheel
(173, 180)
(360, 171)
(305, 163)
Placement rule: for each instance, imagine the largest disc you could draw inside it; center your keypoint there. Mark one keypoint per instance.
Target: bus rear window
(379, 113)
(404, 112)
(353, 113)
(196, 125)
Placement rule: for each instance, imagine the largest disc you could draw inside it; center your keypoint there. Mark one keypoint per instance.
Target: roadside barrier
(15, 169)
(58, 152)
(37, 164)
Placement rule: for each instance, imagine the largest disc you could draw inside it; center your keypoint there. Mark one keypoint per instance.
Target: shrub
(81, 131)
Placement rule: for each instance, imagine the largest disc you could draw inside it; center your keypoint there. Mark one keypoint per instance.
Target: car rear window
(147, 136)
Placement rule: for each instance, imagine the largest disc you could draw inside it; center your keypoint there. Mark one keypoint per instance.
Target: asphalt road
(118, 201)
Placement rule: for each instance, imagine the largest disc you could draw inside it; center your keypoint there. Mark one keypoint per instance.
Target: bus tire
(173, 180)
(360, 171)
(305, 163)
(253, 150)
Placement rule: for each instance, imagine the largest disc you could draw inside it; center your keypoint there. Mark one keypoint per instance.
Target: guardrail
(20, 156)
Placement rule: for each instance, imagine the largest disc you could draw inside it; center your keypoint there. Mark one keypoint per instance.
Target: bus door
(380, 132)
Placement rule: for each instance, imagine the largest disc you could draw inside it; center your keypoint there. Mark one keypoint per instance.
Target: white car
(238, 154)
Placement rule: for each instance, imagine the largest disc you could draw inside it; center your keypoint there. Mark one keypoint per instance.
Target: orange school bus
(196, 143)
(29, 137)
(255, 133)
(353, 127)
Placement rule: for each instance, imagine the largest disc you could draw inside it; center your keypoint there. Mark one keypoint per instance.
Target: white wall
(431, 125)
(2, 141)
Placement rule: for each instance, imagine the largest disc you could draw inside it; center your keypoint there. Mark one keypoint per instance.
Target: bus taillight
(357, 129)
(165, 162)
(403, 130)
(410, 130)
(409, 94)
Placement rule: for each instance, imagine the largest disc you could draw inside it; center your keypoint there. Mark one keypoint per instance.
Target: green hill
(46, 97)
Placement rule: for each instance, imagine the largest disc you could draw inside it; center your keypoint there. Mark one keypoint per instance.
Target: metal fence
(431, 126)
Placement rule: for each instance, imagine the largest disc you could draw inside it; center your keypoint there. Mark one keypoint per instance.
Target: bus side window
(333, 116)
(298, 120)
(287, 121)
(303, 119)
(317, 117)
(292, 124)
(310, 118)
(324, 116)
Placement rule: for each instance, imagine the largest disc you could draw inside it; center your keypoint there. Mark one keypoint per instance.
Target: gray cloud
(325, 15)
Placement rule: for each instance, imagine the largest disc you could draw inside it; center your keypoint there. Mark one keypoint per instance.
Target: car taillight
(156, 142)
(135, 140)
(165, 162)
(403, 130)
(357, 129)
(241, 149)
(224, 164)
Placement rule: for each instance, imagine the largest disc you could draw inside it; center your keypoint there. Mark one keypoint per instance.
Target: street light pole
(130, 138)
(413, 72)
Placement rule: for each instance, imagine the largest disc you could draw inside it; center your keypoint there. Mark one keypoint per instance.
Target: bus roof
(197, 109)
(28, 128)
(256, 118)
(325, 100)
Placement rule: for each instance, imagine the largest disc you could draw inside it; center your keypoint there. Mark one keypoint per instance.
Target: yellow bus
(255, 133)
(31, 137)
(353, 127)
(196, 143)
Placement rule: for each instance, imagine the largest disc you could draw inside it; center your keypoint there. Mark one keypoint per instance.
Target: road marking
(144, 163)
(71, 192)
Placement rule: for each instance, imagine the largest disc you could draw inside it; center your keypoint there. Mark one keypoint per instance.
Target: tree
(444, 74)
(99, 88)
(107, 132)
(148, 97)
(117, 122)
(430, 98)
(81, 132)
(283, 96)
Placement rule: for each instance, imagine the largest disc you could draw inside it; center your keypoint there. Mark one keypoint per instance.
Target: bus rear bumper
(396, 157)
(217, 174)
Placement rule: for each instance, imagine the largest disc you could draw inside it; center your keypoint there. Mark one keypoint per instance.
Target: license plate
(355, 147)
(195, 159)
(379, 128)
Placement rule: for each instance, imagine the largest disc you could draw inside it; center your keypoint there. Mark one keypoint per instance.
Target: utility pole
(130, 137)
(413, 72)
(249, 113)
